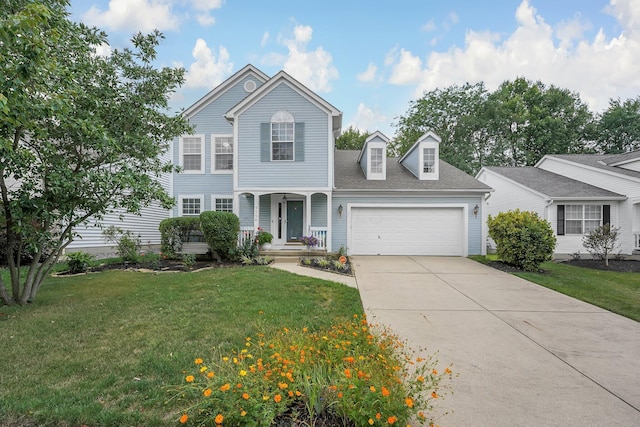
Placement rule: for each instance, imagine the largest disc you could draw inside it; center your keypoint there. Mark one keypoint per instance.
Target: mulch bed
(624, 266)
(164, 266)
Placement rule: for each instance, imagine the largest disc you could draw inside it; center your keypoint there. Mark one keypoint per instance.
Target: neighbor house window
(223, 204)
(191, 205)
(376, 160)
(223, 153)
(429, 160)
(192, 153)
(282, 136)
(582, 219)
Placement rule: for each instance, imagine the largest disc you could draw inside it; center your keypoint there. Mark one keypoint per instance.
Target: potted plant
(264, 239)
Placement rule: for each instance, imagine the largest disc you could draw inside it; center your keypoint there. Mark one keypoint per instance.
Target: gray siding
(318, 210)
(412, 161)
(312, 172)
(364, 160)
(246, 210)
(339, 226)
(265, 212)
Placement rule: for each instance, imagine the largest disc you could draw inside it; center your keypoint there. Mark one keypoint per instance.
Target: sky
(370, 58)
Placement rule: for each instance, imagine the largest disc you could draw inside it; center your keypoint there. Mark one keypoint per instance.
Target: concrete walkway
(526, 355)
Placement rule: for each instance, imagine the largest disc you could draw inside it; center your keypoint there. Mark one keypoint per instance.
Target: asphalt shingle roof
(349, 176)
(552, 185)
(601, 161)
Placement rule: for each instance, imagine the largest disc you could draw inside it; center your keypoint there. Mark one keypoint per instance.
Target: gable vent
(250, 86)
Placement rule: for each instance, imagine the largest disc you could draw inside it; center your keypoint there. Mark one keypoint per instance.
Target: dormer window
(376, 160)
(428, 160)
(422, 159)
(373, 156)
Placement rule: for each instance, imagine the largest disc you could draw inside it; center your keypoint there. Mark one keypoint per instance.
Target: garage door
(407, 231)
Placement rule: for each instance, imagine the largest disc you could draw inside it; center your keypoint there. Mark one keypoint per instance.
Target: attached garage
(407, 230)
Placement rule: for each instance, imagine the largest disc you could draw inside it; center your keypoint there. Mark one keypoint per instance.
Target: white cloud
(599, 69)
(208, 71)
(103, 50)
(313, 68)
(369, 75)
(133, 15)
(429, 26)
(367, 119)
(204, 18)
(265, 39)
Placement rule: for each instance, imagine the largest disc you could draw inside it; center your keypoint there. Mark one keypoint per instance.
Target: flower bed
(340, 265)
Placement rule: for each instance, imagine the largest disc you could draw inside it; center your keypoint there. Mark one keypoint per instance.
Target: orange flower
(198, 361)
(210, 374)
(409, 402)
(420, 379)
(434, 372)
(277, 398)
(349, 359)
(392, 420)
(189, 378)
(207, 392)
(347, 373)
(385, 392)
(434, 395)
(245, 396)
(447, 371)
(378, 416)
(184, 418)
(282, 386)
(225, 387)
(219, 419)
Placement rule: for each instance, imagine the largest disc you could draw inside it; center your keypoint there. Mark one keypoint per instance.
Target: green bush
(126, 244)
(523, 239)
(220, 232)
(79, 262)
(175, 231)
(601, 242)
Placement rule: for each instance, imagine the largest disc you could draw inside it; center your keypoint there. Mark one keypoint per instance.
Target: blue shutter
(299, 142)
(265, 142)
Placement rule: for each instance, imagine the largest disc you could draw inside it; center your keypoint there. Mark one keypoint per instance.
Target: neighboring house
(264, 148)
(576, 193)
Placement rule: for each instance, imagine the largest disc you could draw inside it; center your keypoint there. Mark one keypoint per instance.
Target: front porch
(288, 216)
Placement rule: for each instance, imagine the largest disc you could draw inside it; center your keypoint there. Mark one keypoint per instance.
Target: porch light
(476, 209)
(340, 211)
(284, 197)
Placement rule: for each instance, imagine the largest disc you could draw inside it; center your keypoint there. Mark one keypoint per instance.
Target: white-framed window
(582, 219)
(222, 153)
(282, 136)
(192, 153)
(222, 203)
(377, 157)
(191, 205)
(428, 160)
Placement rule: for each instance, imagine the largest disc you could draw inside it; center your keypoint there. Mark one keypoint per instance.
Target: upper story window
(429, 160)
(222, 153)
(192, 153)
(376, 160)
(191, 205)
(282, 136)
(582, 219)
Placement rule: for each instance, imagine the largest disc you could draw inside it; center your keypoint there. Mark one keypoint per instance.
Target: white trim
(202, 154)
(587, 167)
(222, 196)
(190, 196)
(213, 154)
(463, 206)
(429, 176)
(429, 134)
(293, 140)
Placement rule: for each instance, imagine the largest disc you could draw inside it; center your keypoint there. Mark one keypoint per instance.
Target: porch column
(256, 211)
(307, 213)
(329, 220)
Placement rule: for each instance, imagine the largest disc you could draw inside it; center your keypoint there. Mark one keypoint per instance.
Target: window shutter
(606, 214)
(560, 227)
(299, 142)
(265, 142)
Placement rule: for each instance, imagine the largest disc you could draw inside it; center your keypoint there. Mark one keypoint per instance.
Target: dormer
(423, 158)
(373, 157)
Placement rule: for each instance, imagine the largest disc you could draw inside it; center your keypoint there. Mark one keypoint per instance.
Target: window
(582, 219)
(223, 153)
(376, 160)
(429, 160)
(190, 205)
(223, 204)
(282, 134)
(191, 153)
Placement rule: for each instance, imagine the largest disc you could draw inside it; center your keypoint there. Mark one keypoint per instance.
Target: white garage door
(407, 231)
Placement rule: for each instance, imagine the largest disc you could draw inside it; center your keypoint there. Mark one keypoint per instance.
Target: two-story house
(264, 148)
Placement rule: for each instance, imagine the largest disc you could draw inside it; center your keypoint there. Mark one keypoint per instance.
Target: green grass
(99, 349)
(616, 292)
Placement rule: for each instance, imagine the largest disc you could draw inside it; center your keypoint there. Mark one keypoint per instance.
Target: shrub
(188, 260)
(601, 242)
(352, 374)
(175, 231)
(264, 237)
(523, 239)
(220, 232)
(249, 249)
(79, 262)
(126, 244)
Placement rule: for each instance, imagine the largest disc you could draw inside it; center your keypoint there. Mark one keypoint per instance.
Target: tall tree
(81, 135)
(618, 127)
(351, 139)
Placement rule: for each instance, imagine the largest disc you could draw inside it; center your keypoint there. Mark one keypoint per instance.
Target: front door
(295, 220)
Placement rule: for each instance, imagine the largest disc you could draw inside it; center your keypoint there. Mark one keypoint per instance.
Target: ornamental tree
(81, 135)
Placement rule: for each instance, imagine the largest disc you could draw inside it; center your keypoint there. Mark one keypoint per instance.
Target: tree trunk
(4, 295)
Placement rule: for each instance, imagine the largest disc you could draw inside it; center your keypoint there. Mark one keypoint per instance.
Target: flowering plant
(309, 241)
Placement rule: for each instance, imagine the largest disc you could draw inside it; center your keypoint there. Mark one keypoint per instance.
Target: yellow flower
(371, 421)
(243, 413)
(203, 369)
(184, 418)
(219, 419)
(243, 373)
(373, 389)
(207, 392)
(198, 361)
(189, 378)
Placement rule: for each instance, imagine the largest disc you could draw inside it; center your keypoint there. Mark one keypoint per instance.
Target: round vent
(250, 86)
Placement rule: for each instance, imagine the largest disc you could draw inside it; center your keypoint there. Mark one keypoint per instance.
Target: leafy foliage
(351, 139)
(619, 126)
(523, 239)
(79, 262)
(126, 243)
(81, 135)
(601, 242)
(174, 232)
(220, 232)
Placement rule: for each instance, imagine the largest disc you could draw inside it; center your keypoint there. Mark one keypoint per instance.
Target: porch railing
(245, 233)
(320, 233)
(636, 240)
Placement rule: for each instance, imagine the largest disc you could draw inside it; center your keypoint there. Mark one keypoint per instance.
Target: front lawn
(99, 349)
(613, 291)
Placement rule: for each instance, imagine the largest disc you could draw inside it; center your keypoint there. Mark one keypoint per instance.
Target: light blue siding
(312, 172)
(265, 212)
(206, 184)
(364, 160)
(246, 210)
(412, 162)
(339, 226)
(318, 210)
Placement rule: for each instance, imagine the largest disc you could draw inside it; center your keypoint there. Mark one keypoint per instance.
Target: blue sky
(370, 58)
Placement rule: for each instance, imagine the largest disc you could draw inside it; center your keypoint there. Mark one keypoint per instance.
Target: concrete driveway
(526, 355)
